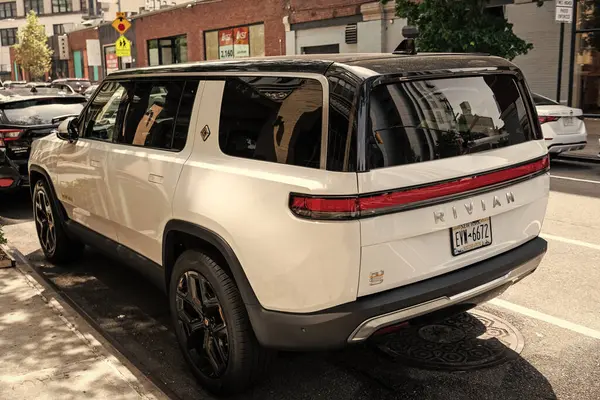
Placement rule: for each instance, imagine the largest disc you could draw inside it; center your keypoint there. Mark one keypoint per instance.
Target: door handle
(155, 178)
(95, 163)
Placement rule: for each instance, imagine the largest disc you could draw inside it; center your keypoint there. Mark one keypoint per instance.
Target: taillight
(6, 182)
(369, 205)
(545, 119)
(7, 135)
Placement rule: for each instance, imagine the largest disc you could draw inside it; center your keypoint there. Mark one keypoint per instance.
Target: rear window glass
(543, 101)
(434, 119)
(41, 111)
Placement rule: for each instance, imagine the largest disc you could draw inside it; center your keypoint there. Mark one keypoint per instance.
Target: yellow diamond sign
(121, 24)
(123, 46)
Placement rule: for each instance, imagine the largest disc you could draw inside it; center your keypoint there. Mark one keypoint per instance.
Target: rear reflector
(5, 182)
(543, 120)
(351, 207)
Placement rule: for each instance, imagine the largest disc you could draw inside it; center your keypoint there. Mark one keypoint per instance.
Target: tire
(214, 319)
(57, 246)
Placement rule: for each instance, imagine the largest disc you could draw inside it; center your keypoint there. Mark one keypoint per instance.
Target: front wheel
(212, 326)
(57, 246)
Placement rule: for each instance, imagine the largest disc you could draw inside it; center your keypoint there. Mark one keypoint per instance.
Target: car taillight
(6, 182)
(6, 135)
(353, 207)
(545, 119)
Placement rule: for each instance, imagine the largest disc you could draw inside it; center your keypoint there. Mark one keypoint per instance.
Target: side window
(152, 118)
(341, 147)
(101, 119)
(272, 119)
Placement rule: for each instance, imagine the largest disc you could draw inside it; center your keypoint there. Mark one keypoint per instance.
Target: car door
(147, 160)
(82, 165)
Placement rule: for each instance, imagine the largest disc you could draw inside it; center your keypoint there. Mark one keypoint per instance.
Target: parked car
(90, 91)
(14, 84)
(302, 202)
(76, 85)
(22, 120)
(563, 127)
(38, 84)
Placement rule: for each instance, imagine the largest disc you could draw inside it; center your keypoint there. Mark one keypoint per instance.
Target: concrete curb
(135, 378)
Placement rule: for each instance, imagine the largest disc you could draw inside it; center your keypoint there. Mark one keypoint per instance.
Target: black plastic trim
(331, 328)
(248, 295)
(566, 144)
(146, 267)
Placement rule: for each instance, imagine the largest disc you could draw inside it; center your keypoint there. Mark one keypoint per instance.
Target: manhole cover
(466, 341)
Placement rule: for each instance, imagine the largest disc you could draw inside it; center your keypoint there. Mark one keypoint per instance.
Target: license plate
(567, 121)
(471, 236)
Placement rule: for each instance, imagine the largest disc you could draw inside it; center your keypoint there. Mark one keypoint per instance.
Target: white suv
(301, 202)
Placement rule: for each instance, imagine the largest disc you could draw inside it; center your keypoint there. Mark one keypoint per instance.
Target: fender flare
(55, 200)
(207, 235)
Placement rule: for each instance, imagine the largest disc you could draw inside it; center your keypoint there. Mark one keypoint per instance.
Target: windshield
(434, 119)
(41, 111)
(543, 101)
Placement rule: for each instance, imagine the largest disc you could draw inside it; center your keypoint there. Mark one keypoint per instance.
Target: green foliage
(461, 26)
(32, 51)
(2, 238)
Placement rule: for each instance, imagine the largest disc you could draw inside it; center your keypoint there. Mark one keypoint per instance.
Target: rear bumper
(9, 171)
(355, 322)
(559, 148)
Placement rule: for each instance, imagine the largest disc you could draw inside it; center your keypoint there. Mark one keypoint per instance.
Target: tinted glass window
(41, 111)
(273, 119)
(433, 119)
(341, 148)
(100, 120)
(151, 117)
(543, 101)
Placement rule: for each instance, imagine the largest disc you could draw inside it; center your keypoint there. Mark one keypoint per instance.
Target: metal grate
(352, 34)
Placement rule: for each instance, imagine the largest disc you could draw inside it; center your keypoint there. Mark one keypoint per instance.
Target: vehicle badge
(205, 133)
(376, 278)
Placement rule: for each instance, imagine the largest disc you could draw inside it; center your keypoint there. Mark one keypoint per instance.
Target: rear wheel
(57, 246)
(212, 326)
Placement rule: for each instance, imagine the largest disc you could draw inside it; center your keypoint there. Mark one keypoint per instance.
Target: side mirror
(67, 130)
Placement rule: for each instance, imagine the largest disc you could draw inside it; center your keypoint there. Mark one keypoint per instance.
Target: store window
(36, 5)
(171, 50)
(8, 10)
(8, 36)
(586, 88)
(237, 42)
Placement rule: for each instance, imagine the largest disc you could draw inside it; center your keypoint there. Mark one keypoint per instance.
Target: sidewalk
(49, 352)
(592, 149)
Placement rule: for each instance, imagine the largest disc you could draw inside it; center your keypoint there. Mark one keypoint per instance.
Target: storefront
(236, 42)
(585, 59)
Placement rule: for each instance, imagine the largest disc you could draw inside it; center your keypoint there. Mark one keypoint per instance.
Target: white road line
(574, 179)
(571, 241)
(583, 330)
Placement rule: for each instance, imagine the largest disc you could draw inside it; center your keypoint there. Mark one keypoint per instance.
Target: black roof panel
(377, 63)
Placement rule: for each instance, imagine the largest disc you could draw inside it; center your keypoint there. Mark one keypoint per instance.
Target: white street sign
(564, 14)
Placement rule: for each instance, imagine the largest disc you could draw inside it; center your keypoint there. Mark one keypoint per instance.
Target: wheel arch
(181, 235)
(37, 173)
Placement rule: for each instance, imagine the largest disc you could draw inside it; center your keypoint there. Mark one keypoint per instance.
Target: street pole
(572, 60)
(561, 45)
(119, 5)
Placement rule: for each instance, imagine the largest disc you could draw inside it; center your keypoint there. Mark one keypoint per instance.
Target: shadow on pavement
(134, 316)
(15, 207)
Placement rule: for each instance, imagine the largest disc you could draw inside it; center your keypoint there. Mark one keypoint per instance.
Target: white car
(562, 126)
(302, 202)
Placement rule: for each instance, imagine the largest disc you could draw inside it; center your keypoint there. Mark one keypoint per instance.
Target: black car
(22, 120)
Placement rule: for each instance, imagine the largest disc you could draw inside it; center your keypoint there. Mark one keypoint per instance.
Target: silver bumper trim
(370, 326)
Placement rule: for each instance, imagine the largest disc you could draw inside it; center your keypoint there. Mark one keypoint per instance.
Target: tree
(32, 51)
(2, 238)
(461, 26)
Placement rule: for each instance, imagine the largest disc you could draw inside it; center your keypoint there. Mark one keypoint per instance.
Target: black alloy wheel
(202, 325)
(44, 221)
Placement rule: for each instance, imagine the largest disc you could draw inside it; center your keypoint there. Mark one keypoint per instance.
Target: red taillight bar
(544, 119)
(350, 207)
(6, 182)
(7, 135)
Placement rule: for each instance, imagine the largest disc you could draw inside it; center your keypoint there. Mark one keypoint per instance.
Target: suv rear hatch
(456, 174)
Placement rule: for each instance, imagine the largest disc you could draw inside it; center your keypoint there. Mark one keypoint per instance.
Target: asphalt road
(555, 310)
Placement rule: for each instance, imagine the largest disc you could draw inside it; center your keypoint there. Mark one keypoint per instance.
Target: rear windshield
(543, 101)
(428, 120)
(41, 111)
